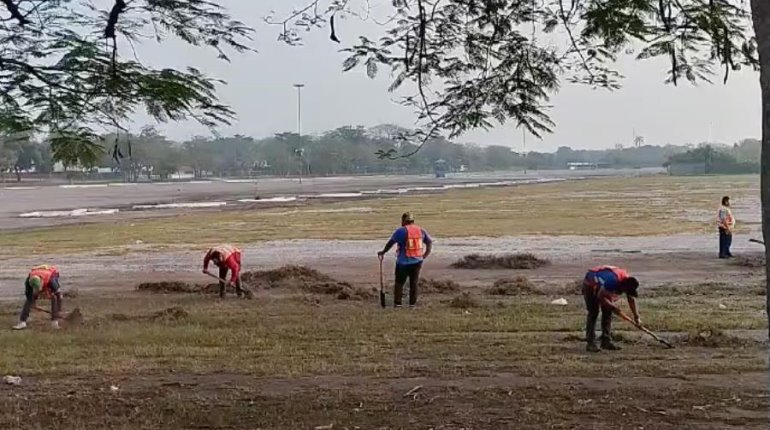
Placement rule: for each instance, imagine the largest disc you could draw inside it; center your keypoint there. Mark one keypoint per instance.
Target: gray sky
(260, 90)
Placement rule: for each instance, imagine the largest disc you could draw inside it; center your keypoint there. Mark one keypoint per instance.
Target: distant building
(575, 165)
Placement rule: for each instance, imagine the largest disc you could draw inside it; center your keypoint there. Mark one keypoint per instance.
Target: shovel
(643, 328)
(382, 285)
(247, 293)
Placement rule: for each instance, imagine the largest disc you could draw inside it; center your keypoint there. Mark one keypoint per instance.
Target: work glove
(638, 320)
(381, 254)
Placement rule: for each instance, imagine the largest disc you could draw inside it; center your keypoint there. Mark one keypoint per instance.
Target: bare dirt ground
(297, 357)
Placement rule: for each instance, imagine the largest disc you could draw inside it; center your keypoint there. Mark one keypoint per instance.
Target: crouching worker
(226, 258)
(602, 287)
(42, 280)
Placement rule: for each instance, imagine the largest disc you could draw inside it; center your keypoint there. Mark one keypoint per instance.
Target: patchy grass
(465, 300)
(173, 356)
(287, 336)
(438, 286)
(505, 261)
(513, 287)
(615, 207)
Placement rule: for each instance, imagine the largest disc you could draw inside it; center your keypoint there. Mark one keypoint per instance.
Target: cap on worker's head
(631, 285)
(407, 217)
(35, 282)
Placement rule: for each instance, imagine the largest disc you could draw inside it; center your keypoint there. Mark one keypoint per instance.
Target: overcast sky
(260, 91)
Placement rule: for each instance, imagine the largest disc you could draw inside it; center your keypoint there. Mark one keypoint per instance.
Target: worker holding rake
(226, 258)
(41, 281)
(602, 287)
(414, 246)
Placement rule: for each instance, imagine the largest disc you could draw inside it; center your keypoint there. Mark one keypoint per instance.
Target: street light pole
(299, 126)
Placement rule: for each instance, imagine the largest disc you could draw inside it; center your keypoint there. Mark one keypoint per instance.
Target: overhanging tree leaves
(478, 63)
(60, 72)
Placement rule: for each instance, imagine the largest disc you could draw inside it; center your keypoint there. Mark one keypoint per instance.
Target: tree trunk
(18, 173)
(761, 14)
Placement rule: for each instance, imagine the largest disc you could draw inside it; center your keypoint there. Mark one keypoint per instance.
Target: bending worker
(414, 246)
(42, 280)
(602, 287)
(226, 258)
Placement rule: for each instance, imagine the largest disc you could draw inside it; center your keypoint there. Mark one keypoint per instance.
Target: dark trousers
(404, 271)
(593, 306)
(725, 241)
(31, 299)
(223, 275)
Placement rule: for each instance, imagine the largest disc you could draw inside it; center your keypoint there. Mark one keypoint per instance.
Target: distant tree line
(345, 150)
(743, 157)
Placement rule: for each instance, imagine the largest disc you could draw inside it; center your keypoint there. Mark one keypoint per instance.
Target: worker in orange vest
(414, 246)
(41, 281)
(226, 258)
(602, 287)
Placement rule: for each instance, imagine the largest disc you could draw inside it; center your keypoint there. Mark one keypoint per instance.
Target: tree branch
(118, 8)
(16, 14)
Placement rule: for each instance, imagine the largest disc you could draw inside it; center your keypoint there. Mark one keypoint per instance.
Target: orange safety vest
(413, 241)
(45, 273)
(619, 273)
(224, 251)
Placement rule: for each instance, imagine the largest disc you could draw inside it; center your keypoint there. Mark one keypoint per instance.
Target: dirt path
(656, 260)
(233, 401)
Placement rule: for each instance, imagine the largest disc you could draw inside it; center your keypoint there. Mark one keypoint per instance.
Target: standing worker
(726, 224)
(414, 246)
(41, 280)
(226, 257)
(602, 287)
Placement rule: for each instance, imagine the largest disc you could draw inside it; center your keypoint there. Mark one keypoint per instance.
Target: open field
(295, 358)
(596, 207)
(24, 198)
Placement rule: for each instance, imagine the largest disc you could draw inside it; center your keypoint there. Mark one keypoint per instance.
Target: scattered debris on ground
(573, 288)
(504, 261)
(574, 338)
(12, 380)
(705, 289)
(297, 278)
(171, 314)
(174, 313)
(166, 287)
(70, 294)
(749, 261)
(714, 338)
(560, 302)
(438, 286)
(341, 290)
(74, 318)
(465, 301)
(519, 285)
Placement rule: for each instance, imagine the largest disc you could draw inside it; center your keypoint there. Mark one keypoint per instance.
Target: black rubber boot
(591, 347)
(609, 346)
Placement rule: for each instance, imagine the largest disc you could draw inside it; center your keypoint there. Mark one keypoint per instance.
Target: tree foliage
(478, 63)
(344, 150)
(61, 72)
